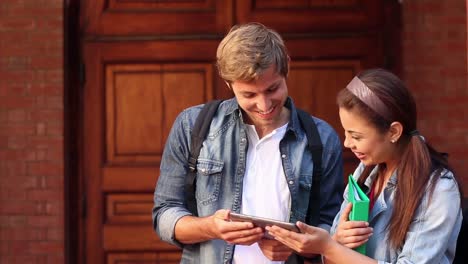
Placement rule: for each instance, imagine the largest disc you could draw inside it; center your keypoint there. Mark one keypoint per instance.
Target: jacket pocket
(209, 173)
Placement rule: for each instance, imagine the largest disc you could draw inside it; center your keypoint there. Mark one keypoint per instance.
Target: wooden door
(145, 61)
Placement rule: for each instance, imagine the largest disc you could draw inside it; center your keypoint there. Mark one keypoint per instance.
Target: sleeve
(437, 220)
(332, 180)
(169, 198)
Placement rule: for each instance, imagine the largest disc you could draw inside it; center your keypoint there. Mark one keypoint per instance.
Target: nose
(347, 142)
(264, 103)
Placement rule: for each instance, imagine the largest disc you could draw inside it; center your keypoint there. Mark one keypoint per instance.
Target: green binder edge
(360, 210)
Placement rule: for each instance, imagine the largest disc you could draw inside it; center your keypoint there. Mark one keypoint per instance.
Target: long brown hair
(418, 158)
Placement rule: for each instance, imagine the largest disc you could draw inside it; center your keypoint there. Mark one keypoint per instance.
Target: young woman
(415, 213)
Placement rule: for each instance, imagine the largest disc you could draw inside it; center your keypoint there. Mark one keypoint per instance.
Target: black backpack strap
(313, 210)
(199, 132)
(315, 146)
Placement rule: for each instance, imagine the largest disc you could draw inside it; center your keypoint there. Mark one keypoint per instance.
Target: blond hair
(248, 50)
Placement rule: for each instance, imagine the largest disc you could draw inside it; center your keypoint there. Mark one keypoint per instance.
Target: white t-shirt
(265, 190)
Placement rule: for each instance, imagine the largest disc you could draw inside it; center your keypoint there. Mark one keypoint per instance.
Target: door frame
(72, 102)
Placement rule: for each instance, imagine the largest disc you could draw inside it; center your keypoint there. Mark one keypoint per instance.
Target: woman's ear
(395, 131)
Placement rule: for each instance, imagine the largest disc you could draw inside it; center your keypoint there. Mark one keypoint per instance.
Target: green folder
(360, 211)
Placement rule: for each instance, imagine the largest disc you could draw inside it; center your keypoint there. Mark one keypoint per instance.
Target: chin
(368, 162)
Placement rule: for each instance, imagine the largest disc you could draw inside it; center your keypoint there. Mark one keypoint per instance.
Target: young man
(255, 160)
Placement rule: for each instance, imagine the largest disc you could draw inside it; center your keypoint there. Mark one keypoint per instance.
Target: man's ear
(395, 131)
(228, 85)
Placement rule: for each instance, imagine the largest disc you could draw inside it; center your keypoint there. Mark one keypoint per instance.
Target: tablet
(263, 222)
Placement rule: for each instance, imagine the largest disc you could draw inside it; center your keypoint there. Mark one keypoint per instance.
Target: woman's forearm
(336, 253)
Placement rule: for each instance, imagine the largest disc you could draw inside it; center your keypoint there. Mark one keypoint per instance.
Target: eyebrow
(354, 132)
(275, 84)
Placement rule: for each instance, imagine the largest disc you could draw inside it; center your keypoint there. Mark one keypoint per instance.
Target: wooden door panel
(116, 178)
(138, 114)
(131, 101)
(306, 16)
(128, 208)
(128, 237)
(152, 18)
(367, 49)
(313, 85)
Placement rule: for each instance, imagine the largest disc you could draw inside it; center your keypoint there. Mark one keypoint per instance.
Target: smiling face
(262, 101)
(366, 142)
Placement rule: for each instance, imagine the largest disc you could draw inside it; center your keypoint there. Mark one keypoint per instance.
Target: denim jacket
(220, 171)
(432, 235)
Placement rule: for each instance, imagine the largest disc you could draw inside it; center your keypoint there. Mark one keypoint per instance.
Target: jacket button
(291, 182)
(283, 156)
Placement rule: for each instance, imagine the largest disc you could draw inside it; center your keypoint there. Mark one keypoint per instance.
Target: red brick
(13, 154)
(43, 142)
(41, 129)
(17, 130)
(52, 182)
(46, 89)
(20, 63)
(45, 221)
(18, 142)
(54, 207)
(9, 193)
(50, 24)
(44, 169)
(4, 247)
(49, 62)
(14, 207)
(45, 195)
(17, 24)
(17, 259)
(41, 155)
(49, 102)
(55, 259)
(51, 116)
(14, 168)
(55, 130)
(46, 247)
(19, 248)
(16, 101)
(55, 234)
(23, 234)
(36, 11)
(13, 220)
(17, 115)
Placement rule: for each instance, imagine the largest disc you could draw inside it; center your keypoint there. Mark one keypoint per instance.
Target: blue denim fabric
(221, 168)
(433, 233)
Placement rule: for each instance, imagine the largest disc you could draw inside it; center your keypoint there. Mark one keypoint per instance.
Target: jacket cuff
(167, 222)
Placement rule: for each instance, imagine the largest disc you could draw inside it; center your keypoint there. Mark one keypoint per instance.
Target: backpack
(200, 130)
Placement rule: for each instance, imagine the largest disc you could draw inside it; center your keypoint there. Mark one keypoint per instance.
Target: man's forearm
(191, 230)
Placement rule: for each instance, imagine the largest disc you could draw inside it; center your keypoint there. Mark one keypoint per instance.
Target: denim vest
(221, 168)
(432, 235)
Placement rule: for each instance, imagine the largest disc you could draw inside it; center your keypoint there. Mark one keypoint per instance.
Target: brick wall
(435, 68)
(31, 137)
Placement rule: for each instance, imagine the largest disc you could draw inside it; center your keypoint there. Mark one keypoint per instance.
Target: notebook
(360, 211)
